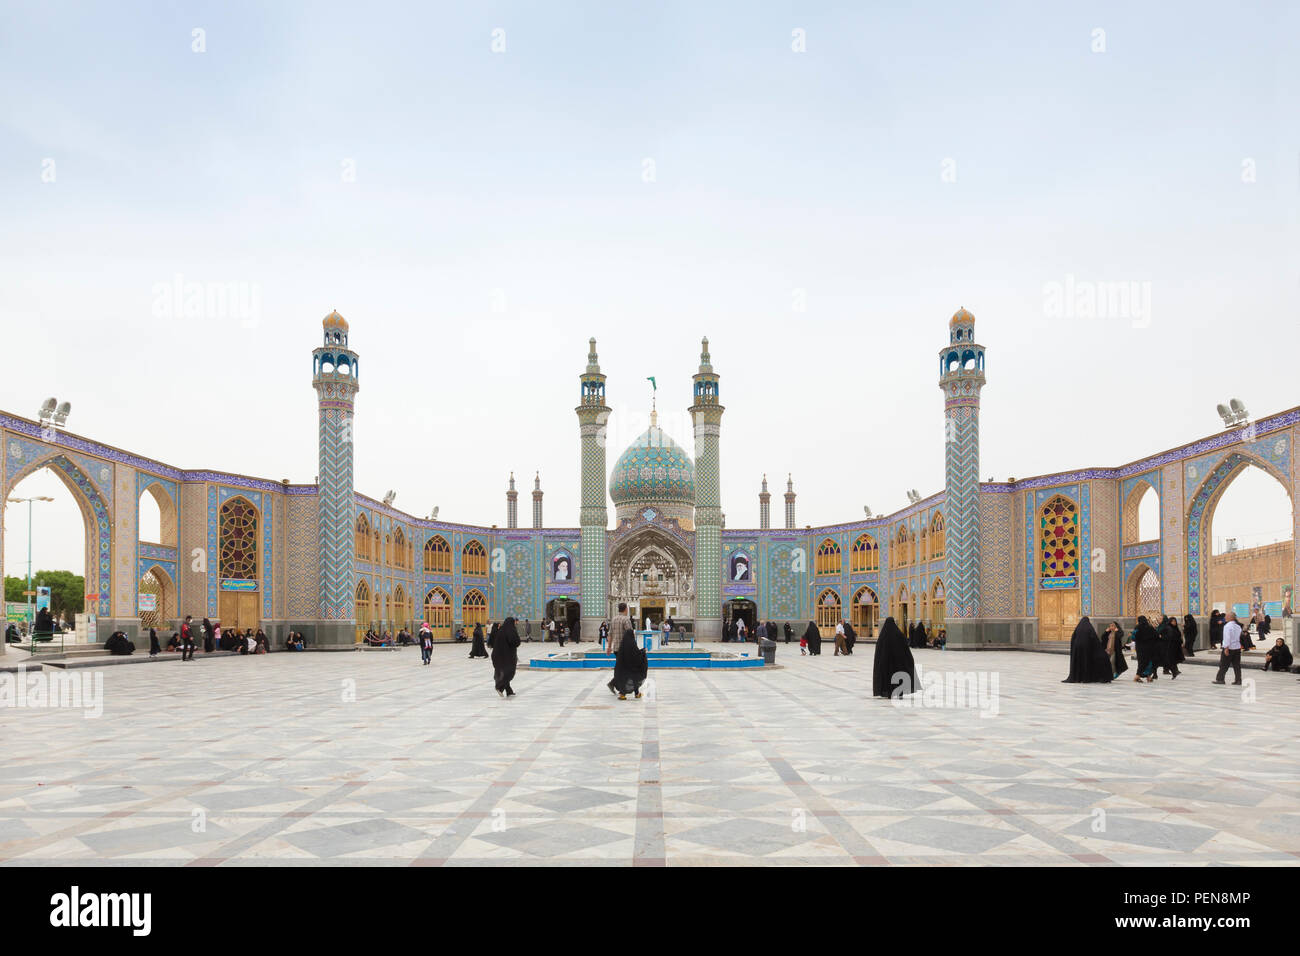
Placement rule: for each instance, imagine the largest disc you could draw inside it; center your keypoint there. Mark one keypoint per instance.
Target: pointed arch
(938, 537)
(96, 514)
(474, 608)
(157, 584)
(438, 613)
(829, 610)
(159, 499)
(238, 540)
(829, 561)
(866, 611)
(473, 559)
(437, 555)
(363, 537)
(865, 556)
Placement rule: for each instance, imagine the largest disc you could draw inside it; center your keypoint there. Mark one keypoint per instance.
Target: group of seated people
(378, 640)
(295, 641)
(919, 635)
(244, 642)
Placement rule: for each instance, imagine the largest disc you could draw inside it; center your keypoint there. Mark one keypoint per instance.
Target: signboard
(42, 598)
(147, 602)
(15, 613)
(92, 629)
(1052, 584)
(1273, 608)
(1243, 611)
(239, 585)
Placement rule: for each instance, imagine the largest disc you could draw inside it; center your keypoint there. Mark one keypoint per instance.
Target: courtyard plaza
(370, 758)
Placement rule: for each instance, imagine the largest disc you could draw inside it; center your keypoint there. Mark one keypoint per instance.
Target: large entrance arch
(1200, 517)
(654, 574)
(97, 518)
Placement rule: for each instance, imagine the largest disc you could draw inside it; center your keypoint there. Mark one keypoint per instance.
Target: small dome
(961, 315)
(335, 321)
(653, 470)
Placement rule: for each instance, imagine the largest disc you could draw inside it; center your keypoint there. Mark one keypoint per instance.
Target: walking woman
(894, 669)
(1147, 643)
(1189, 635)
(155, 650)
(630, 668)
(505, 657)
(209, 637)
(814, 638)
(1171, 647)
(477, 649)
(1114, 641)
(1088, 661)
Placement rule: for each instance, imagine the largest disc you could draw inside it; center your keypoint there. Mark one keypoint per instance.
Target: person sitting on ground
(175, 643)
(260, 644)
(1278, 656)
(118, 645)
(299, 642)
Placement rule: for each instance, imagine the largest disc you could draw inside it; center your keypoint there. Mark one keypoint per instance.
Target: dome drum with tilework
(654, 473)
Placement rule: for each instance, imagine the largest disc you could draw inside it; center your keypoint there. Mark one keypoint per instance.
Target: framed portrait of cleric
(739, 567)
(561, 567)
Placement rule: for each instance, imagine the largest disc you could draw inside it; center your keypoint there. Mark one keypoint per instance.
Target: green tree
(14, 588)
(67, 591)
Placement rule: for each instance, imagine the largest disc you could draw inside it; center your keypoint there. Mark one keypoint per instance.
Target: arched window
(866, 612)
(400, 614)
(902, 555)
(938, 536)
(828, 611)
(473, 560)
(364, 612)
(397, 554)
(938, 606)
(238, 540)
(473, 609)
(923, 548)
(865, 555)
(154, 604)
(363, 538)
(437, 555)
(828, 558)
(1058, 537)
(437, 611)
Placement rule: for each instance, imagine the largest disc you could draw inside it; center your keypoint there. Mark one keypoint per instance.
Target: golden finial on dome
(335, 321)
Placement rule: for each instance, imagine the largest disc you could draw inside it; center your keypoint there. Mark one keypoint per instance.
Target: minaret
(789, 502)
(706, 414)
(593, 415)
(512, 504)
(961, 376)
(334, 376)
(764, 507)
(537, 500)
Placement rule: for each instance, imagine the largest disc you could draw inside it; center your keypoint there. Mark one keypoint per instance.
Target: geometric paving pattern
(370, 758)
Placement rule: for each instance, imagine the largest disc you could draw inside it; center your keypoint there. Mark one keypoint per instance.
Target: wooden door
(239, 609)
(1058, 613)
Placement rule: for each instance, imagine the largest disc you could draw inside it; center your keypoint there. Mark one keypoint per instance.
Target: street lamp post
(29, 592)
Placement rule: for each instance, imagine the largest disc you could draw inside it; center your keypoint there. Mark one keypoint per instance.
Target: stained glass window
(238, 540)
(828, 558)
(866, 554)
(474, 608)
(1058, 529)
(437, 555)
(473, 560)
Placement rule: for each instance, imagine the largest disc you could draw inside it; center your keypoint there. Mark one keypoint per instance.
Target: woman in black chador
(1171, 647)
(1216, 628)
(1189, 635)
(505, 656)
(1113, 642)
(477, 649)
(154, 648)
(1147, 643)
(814, 638)
(850, 637)
(630, 667)
(1088, 661)
(894, 672)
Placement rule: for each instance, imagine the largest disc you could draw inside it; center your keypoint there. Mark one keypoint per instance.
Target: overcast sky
(648, 176)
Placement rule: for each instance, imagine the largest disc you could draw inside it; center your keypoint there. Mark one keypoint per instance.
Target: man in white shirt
(1231, 650)
(840, 646)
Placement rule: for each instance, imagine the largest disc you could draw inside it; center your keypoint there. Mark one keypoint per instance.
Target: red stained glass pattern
(238, 540)
(1058, 523)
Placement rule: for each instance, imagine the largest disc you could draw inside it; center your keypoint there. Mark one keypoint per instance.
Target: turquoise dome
(653, 470)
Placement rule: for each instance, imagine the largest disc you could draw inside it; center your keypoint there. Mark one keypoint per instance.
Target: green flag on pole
(653, 383)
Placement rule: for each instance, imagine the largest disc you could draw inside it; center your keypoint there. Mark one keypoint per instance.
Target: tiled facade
(308, 570)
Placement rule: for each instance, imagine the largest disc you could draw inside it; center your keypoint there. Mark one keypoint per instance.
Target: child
(803, 647)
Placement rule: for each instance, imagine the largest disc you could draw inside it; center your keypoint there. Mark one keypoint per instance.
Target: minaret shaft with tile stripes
(961, 376)
(334, 376)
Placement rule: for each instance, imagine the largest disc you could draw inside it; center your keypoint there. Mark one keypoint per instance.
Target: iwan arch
(998, 563)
